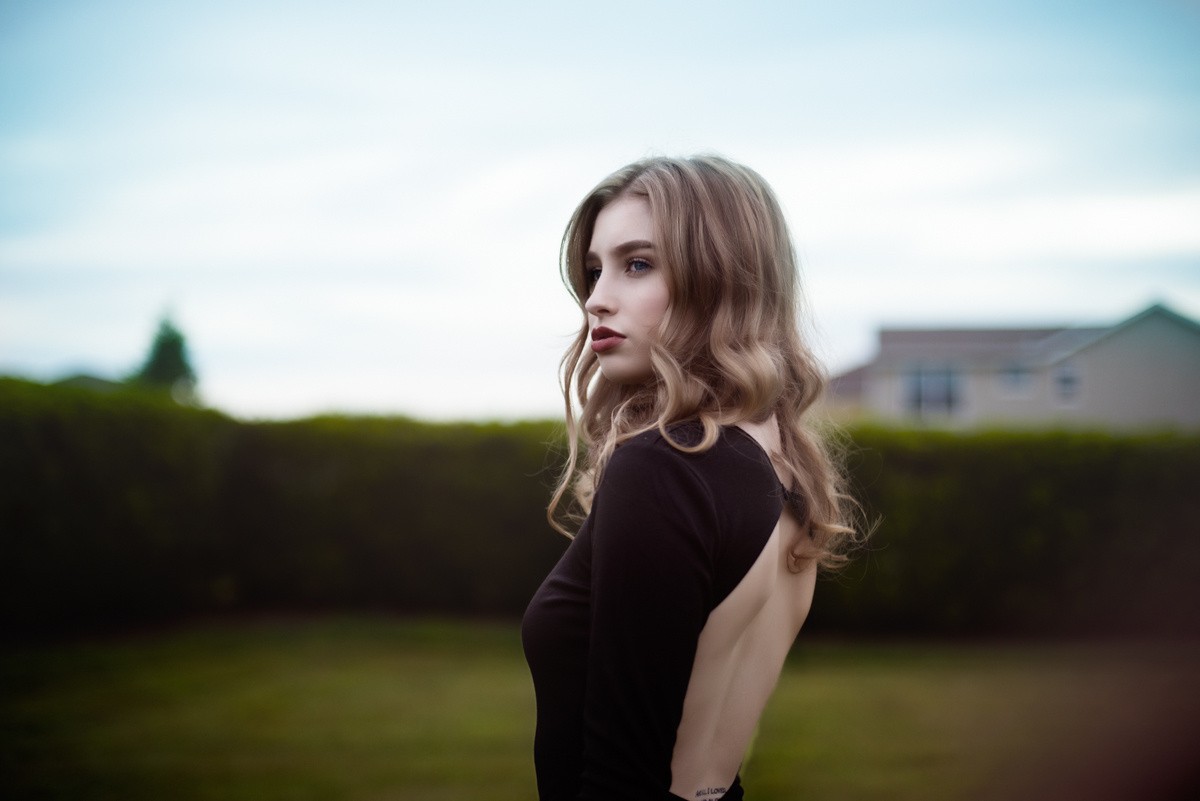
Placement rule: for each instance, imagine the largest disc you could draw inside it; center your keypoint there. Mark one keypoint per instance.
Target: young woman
(709, 505)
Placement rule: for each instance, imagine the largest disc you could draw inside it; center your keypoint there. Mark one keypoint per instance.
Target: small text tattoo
(711, 792)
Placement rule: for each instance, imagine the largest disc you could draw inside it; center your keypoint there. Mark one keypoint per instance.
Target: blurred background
(280, 312)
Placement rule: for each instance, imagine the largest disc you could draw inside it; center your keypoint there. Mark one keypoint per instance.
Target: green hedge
(109, 504)
(124, 508)
(1023, 531)
(119, 508)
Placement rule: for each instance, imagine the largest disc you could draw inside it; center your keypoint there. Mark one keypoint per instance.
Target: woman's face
(628, 293)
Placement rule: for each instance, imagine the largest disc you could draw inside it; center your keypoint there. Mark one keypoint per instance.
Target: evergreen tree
(167, 367)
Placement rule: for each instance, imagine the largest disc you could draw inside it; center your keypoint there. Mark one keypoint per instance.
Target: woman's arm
(653, 528)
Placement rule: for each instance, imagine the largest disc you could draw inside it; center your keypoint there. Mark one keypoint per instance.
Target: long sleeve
(653, 533)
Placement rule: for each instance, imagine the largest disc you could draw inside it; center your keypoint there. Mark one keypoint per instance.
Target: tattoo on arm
(711, 792)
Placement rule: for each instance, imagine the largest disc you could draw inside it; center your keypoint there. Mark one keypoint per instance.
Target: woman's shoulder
(734, 454)
(688, 434)
(728, 492)
(651, 451)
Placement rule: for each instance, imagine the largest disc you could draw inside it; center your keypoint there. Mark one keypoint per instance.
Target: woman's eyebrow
(626, 247)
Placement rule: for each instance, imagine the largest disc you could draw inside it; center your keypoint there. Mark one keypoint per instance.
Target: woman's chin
(626, 378)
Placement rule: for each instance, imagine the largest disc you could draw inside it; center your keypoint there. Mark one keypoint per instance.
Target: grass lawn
(369, 709)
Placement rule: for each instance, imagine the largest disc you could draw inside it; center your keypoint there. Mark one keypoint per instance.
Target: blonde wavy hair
(728, 349)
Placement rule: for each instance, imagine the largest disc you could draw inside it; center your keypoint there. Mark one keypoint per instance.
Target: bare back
(740, 654)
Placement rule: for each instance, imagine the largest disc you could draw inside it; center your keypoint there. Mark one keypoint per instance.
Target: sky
(357, 206)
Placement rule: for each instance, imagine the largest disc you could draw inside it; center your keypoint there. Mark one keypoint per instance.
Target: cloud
(1140, 226)
(362, 207)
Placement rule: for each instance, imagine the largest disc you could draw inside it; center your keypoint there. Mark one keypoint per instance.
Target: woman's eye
(591, 275)
(639, 266)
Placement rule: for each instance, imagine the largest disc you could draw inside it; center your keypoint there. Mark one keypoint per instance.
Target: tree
(167, 368)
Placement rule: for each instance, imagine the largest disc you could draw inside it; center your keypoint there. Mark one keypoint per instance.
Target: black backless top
(611, 634)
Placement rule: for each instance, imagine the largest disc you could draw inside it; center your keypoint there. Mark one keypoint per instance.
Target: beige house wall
(1143, 374)
(993, 399)
(885, 395)
(983, 397)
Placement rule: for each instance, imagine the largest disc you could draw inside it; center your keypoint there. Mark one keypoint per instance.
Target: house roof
(987, 348)
(1067, 349)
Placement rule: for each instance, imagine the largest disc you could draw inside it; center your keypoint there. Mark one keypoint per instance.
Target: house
(1143, 372)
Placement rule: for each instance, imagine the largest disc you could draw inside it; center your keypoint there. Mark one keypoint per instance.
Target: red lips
(604, 338)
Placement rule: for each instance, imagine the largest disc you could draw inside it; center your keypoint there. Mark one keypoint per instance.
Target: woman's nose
(600, 299)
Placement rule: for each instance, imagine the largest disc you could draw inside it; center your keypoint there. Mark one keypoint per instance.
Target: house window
(1016, 379)
(932, 392)
(1066, 382)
